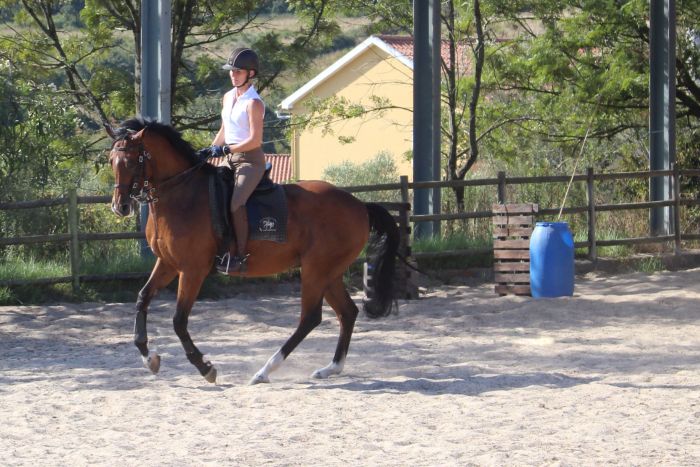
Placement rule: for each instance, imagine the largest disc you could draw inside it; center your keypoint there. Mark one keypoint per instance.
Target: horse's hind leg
(160, 277)
(311, 302)
(345, 309)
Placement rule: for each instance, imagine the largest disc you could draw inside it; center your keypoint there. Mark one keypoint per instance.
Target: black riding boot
(237, 263)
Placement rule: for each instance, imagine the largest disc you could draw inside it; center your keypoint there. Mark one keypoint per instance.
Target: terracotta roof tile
(404, 45)
(281, 167)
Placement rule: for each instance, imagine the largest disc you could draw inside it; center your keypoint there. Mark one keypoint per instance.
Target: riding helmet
(242, 58)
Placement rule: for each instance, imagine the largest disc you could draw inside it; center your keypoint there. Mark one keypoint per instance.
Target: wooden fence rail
(74, 237)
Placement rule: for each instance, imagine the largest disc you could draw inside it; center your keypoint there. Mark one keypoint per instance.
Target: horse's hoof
(211, 376)
(259, 378)
(327, 371)
(152, 362)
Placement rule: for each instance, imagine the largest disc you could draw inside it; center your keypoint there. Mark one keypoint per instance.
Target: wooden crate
(512, 227)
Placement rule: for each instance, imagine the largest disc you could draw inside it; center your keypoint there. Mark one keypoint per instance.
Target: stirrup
(227, 264)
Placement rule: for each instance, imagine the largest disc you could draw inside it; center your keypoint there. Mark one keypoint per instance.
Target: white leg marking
(332, 369)
(263, 375)
(152, 362)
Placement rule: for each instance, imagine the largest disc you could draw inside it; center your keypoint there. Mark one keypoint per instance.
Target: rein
(143, 189)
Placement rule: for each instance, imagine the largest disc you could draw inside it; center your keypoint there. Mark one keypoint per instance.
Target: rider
(238, 145)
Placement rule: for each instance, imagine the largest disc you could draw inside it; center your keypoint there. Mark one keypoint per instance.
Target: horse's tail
(381, 261)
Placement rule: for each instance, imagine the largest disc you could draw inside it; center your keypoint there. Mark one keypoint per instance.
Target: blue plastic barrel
(551, 260)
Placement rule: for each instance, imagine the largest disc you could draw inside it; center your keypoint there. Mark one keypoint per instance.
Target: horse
(326, 231)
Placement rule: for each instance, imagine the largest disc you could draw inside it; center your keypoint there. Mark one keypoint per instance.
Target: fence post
(590, 190)
(74, 246)
(404, 189)
(502, 187)
(676, 209)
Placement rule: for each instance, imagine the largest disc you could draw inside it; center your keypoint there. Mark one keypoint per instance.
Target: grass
(133, 262)
(651, 264)
(109, 260)
(614, 251)
(31, 268)
(457, 241)
(581, 252)
(124, 256)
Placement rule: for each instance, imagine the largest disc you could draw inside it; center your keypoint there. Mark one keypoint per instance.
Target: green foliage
(555, 71)
(454, 242)
(124, 256)
(324, 113)
(32, 268)
(379, 170)
(7, 297)
(42, 149)
(572, 66)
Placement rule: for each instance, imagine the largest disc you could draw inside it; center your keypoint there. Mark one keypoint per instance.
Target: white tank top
(234, 115)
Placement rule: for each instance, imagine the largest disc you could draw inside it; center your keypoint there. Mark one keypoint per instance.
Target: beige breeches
(249, 167)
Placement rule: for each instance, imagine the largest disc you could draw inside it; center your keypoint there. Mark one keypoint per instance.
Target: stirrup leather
(227, 264)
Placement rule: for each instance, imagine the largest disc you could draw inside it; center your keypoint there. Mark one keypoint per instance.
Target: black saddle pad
(267, 214)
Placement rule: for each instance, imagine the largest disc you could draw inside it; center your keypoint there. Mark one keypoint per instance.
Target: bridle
(141, 188)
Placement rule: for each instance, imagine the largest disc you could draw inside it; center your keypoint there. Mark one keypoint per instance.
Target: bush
(379, 170)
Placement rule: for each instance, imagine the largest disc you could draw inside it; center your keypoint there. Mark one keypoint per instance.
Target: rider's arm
(219, 140)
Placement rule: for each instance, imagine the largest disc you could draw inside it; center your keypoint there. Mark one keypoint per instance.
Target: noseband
(141, 190)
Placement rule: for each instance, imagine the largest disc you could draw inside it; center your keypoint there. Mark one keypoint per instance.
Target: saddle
(267, 208)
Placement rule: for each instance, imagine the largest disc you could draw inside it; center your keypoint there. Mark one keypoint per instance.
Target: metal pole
(155, 73)
(164, 60)
(424, 96)
(437, 101)
(150, 37)
(662, 115)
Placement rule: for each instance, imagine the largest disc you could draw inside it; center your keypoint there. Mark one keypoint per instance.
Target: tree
(590, 59)
(541, 73)
(465, 38)
(81, 54)
(83, 59)
(378, 170)
(461, 93)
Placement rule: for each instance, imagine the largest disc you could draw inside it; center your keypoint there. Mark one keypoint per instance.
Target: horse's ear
(110, 131)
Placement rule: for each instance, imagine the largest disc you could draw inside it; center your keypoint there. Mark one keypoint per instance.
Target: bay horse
(327, 229)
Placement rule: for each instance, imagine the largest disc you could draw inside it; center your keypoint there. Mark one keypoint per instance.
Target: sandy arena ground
(459, 377)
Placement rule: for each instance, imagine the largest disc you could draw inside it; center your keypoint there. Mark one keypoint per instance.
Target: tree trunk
(453, 153)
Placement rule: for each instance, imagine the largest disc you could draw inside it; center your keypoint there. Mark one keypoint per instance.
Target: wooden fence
(74, 237)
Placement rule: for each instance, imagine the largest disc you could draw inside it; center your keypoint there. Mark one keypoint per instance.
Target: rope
(583, 144)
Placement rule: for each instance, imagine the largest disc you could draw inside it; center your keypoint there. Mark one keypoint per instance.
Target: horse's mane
(166, 131)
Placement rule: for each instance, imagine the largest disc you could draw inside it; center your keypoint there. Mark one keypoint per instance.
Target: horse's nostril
(121, 209)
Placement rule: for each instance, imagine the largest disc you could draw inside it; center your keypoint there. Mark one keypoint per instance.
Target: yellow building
(380, 68)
